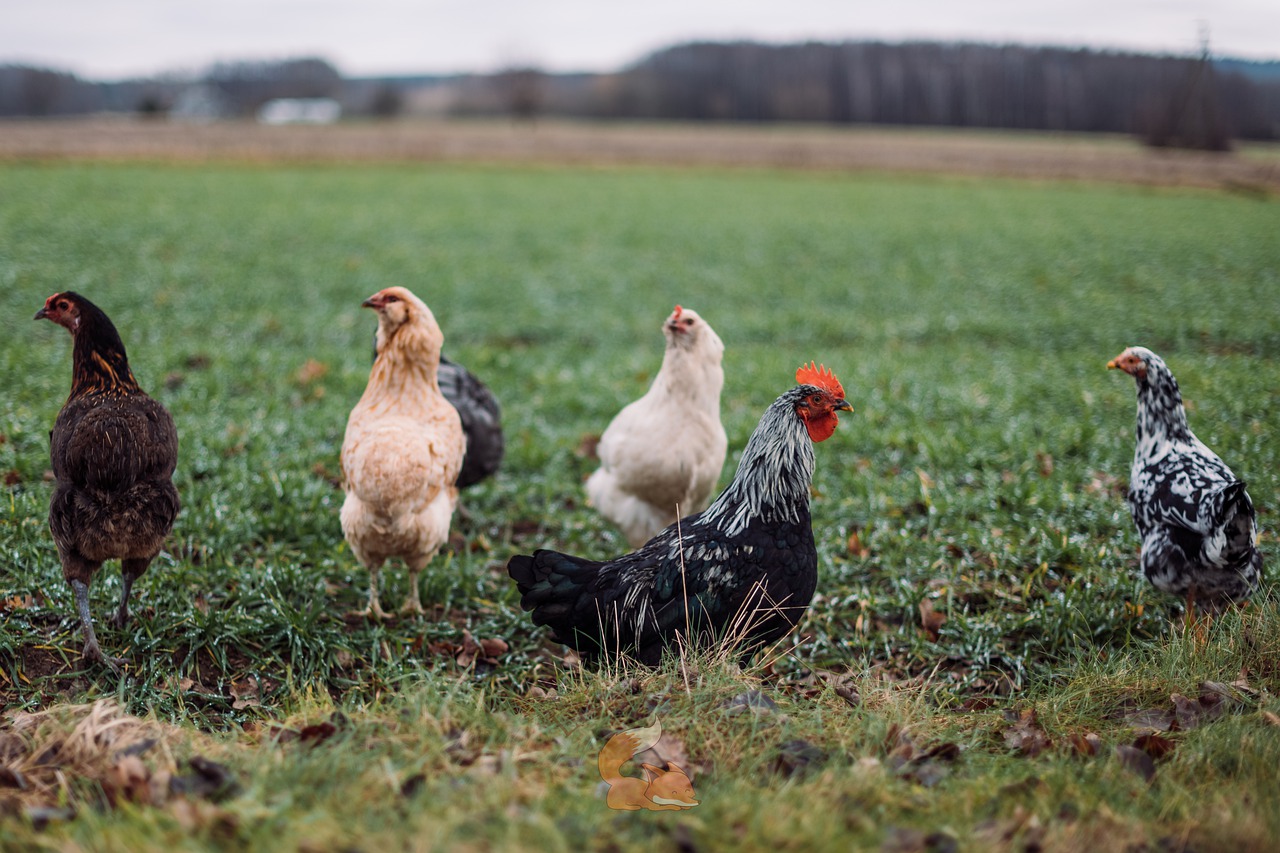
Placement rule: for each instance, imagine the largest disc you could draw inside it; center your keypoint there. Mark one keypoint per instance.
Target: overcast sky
(109, 39)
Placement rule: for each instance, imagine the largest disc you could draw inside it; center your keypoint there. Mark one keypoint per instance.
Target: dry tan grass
(71, 752)
(975, 153)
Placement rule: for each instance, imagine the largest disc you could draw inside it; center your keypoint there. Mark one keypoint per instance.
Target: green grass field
(982, 473)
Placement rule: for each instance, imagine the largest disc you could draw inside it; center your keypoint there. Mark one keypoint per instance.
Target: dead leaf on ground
(317, 733)
(1100, 482)
(1271, 718)
(12, 477)
(1023, 825)
(851, 697)
(931, 620)
(1150, 720)
(1191, 714)
(587, 446)
(1025, 735)
(310, 371)
(752, 702)
(1045, 463)
(798, 758)
(247, 693)
(855, 546)
(1134, 759)
(1237, 691)
(1157, 746)
(1086, 743)
(901, 839)
(472, 650)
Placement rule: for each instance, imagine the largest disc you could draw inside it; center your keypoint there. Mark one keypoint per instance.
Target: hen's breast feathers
(1174, 482)
(400, 463)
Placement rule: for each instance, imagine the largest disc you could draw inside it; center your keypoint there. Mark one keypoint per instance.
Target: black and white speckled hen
(114, 450)
(741, 572)
(1195, 518)
(481, 420)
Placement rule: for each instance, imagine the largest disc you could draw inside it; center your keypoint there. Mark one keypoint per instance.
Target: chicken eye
(393, 298)
(688, 321)
(63, 305)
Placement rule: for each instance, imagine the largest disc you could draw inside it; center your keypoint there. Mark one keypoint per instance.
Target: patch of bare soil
(1253, 170)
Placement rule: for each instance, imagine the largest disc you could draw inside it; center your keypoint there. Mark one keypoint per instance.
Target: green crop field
(983, 667)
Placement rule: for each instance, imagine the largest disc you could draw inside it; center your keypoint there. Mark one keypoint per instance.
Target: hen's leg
(132, 570)
(412, 605)
(92, 651)
(374, 609)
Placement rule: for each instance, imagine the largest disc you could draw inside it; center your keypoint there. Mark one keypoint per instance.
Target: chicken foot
(1198, 623)
(413, 607)
(374, 609)
(92, 651)
(132, 570)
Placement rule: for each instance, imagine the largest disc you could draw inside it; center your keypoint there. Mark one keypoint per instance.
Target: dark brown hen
(114, 450)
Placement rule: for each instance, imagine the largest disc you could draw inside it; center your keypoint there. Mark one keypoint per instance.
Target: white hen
(403, 449)
(667, 448)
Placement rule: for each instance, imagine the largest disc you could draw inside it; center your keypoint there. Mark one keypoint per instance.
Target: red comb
(677, 311)
(821, 377)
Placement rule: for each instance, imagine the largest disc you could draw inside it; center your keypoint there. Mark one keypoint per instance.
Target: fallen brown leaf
(1157, 746)
(1025, 735)
(318, 733)
(1191, 713)
(931, 620)
(1136, 760)
(798, 758)
(1088, 743)
(1150, 720)
(587, 446)
(247, 692)
(310, 371)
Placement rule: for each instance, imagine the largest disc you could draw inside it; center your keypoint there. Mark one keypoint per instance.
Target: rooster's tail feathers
(550, 583)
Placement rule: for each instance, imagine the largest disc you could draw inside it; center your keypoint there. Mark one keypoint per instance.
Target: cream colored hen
(667, 448)
(403, 449)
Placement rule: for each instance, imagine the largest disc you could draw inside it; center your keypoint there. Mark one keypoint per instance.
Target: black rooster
(481, 420)
(1195, 518)
(740, 573)
(114, 450)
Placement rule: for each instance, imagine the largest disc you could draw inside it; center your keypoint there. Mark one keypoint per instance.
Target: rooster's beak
(843, 406)
(1113, 364)
(371, 302)
(40, 315)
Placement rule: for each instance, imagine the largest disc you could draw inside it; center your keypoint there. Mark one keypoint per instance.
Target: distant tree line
(1165, 99)
(239, 88)
(955, 85)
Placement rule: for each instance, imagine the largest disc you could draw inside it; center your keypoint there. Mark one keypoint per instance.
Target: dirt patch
(1254, 170)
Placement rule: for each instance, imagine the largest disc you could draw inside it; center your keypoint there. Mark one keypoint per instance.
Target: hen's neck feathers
(773, 476)
(693, 374)
(98, 360)
(1161, 418)
(406, 367)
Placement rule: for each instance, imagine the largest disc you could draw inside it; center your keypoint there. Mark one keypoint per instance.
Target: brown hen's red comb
(821, 377)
